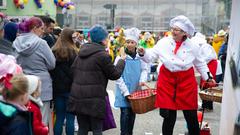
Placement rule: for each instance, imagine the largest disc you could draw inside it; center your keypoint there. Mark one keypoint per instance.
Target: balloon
(71, 7)
(20, 2)
(39, 5)
(62, 4)
(64, 10)
(15, 2)
(25, 1)
(22, 6)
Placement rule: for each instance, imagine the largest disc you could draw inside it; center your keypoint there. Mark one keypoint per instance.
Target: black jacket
(50, 39)
(6, 47)
(62, 76)
(91, 71)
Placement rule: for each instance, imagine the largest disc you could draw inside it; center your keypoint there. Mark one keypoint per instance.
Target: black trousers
(207, 104)
(169, 119)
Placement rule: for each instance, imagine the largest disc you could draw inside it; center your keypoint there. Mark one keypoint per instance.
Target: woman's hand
(122, 53)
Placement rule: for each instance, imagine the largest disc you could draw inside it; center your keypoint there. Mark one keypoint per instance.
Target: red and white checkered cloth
(143, 93)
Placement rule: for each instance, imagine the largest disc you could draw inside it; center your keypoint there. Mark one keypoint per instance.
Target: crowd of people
(44, 67)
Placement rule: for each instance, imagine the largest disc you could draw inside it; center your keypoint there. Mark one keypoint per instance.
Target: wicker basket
(211, 94)
(143, 101)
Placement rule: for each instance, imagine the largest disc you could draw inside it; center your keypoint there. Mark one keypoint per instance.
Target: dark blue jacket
(14, 121)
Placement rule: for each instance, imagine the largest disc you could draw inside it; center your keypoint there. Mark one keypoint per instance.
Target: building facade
(147, 15)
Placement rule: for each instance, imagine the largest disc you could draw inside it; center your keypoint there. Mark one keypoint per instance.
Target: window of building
(102, 20)
(125, 21)
(83, 21)
(3, 3)
(147, 23)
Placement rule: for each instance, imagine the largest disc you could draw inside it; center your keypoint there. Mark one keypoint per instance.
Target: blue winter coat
(14, 121)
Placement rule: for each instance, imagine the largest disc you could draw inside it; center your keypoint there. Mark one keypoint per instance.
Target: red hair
(32, 23)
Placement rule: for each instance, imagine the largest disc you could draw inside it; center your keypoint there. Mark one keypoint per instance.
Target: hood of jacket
(27, 43)
(7, 111)
(90, 49)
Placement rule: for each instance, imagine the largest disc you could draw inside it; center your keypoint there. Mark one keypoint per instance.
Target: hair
(47, 20)
(10, 31)
(28, 25)
(65, 48)
(19, 87)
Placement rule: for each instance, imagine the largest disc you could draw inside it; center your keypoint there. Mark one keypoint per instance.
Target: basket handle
(147, 86)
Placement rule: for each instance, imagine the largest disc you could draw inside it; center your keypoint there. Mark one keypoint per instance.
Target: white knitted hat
(33, 82)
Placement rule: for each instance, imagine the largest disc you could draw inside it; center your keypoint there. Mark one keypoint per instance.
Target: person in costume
(210, 56)
(134, 74)
(177, 88)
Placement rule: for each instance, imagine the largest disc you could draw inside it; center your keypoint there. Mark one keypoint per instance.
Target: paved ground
(151, 123)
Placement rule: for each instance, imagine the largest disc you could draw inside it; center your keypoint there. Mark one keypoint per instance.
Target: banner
(230, 113)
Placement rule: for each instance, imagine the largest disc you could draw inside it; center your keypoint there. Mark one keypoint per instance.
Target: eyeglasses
(176, 30)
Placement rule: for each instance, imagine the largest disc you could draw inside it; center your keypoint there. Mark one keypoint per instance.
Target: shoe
(208, 110)
(205, 110)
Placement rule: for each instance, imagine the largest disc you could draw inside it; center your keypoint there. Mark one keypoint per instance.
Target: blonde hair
(19, 87)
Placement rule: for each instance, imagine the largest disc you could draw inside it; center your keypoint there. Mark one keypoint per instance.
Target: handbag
(108, 122)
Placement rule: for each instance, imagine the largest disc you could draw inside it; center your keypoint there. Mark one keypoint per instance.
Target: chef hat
(183, 23)
(132, 34)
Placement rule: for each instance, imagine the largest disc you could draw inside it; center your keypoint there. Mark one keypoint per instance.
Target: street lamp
(112, 8)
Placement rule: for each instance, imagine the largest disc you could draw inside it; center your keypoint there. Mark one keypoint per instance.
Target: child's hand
(142, 84)
(141, 51)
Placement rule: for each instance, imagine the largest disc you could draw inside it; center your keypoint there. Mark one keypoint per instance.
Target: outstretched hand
(122, 53)
(141, 51)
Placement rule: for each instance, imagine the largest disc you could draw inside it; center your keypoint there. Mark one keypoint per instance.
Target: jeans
(87, 123)
(61, 114)
(127, 120)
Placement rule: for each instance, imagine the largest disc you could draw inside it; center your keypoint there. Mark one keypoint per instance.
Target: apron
(176, 90)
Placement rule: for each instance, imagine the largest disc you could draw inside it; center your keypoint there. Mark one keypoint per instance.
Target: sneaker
(205, 110)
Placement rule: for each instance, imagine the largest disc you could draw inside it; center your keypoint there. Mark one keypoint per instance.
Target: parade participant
(36, 58)
(134, 74)
(209, 55)
(34, 104)
(15, 119)
(177, 86)
(91, 70)
(65, 52)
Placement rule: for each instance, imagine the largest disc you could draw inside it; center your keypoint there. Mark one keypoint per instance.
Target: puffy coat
(91, 70)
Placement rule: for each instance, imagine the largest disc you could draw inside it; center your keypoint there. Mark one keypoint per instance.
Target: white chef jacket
(186, 57)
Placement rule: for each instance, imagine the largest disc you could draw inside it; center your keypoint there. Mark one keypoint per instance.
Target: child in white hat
(134, 74)
(34, 104)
